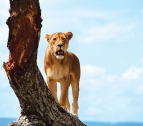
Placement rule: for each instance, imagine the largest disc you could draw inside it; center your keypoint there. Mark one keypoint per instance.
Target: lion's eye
(54, 39)
(63, 39)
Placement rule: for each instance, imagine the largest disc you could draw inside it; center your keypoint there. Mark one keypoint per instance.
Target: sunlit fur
(63, 68)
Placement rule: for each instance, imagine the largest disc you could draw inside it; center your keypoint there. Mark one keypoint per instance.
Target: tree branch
(38, 107)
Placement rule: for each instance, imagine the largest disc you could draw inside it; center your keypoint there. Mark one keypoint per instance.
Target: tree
(38, 107)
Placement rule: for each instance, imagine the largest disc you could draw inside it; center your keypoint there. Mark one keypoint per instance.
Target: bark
(38, 107)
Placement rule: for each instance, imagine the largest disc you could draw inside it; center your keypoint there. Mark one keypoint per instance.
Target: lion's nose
(60, 45)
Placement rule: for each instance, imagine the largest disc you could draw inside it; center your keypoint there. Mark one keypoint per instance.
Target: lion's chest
(57, 72)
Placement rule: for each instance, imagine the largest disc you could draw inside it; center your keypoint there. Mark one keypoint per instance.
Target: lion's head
(58, 43)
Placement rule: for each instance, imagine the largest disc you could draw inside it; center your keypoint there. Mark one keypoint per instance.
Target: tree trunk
(38, 107)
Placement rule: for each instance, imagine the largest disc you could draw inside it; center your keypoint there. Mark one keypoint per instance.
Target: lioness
(63, 67)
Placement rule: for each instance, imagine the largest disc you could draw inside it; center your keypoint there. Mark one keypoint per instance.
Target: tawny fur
(63, 68)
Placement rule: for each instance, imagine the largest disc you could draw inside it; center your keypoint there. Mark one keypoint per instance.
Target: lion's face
(58, 43)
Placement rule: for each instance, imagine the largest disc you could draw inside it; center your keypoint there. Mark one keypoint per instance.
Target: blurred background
(108, 39)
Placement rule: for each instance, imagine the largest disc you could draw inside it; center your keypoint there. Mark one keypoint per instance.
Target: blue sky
(108, 39)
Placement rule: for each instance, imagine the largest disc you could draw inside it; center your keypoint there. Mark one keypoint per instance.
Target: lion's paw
(75, 114)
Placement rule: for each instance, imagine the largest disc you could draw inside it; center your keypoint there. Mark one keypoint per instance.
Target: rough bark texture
(38, 107)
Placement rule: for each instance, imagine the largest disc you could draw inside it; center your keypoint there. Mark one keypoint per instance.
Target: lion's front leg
(67, 103)
(64, 102)
(52, 85)
(75, 92)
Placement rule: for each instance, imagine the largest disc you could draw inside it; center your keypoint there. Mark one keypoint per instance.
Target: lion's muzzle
(60, 52)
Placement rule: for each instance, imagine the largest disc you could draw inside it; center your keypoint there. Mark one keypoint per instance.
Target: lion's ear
(48, 37)
(69, 35)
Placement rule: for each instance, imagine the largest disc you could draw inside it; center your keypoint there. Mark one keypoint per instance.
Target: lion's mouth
(60, 52)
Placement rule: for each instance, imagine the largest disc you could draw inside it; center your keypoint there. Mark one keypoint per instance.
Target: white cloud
(5, 4)
(4, 10)
(91, 70)
(4, 34)
(46, 4)
(109, 96)
(89, 32)
(4, 58)
(110, 107)
(9, 106)
(142, 60)
(105, 32)
(3, 27)
(133, 73)
(112, 78)
(100, 14)
(91, 13)
(139, 89)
